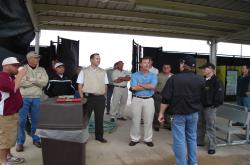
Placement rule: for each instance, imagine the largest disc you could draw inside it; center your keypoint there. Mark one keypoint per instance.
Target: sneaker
(38, 144)
(121, 118)
(19, 148)
(7, 163)
(14, 160)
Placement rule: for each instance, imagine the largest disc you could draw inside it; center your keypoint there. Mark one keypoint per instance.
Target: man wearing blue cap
(182, 94)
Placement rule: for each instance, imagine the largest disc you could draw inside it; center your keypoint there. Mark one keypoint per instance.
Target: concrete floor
(117, 151)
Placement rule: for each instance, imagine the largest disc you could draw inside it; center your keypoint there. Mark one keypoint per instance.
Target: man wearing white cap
(10, 103)
(59, 84)
(31, 90)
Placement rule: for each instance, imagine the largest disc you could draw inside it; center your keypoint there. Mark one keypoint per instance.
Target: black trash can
(58, 152)
(62, 117)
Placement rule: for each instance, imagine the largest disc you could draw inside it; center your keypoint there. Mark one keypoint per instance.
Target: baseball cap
(207, 65)
(188, 60)
(10, 60)
(32, 54)
(58, 64)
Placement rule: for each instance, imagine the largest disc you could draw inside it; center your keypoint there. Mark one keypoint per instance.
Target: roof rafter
(194, 8)
(213, 33)
(133, 14)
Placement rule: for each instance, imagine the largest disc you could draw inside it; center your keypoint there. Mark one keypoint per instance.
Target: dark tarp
(16, 29)
(155, 54)
(68, 53)
(135, 57)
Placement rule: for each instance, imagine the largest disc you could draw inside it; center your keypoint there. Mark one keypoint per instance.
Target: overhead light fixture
(189, 13)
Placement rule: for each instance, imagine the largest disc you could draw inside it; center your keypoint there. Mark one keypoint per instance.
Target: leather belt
(91, 95)
(120, 86)
(143, 97)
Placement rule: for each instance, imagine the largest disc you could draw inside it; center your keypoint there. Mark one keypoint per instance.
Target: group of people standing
(190, 99)
(21, 89)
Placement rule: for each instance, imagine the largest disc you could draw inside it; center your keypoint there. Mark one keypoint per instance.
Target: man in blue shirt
(142, 84)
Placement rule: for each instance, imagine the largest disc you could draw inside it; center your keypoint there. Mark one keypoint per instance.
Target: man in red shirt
(10, 102)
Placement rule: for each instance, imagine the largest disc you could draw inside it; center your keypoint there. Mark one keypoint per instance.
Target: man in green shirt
(162, 79)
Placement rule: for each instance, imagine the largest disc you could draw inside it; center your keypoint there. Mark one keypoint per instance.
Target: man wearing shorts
(10, 102)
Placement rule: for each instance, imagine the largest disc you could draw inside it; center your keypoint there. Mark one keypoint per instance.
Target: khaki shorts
(8, 131)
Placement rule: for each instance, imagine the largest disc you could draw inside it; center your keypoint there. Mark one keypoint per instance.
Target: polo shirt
(10, 101)
(141, 78)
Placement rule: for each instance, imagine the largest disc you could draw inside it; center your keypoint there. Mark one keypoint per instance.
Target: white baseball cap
(10, 60)
(58, 64)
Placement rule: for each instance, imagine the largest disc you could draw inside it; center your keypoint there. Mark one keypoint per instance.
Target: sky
(116, 47)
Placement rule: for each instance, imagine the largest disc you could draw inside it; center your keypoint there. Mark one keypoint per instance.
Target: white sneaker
(14, 160)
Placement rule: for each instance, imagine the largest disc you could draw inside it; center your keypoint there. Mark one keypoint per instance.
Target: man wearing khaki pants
(142, 84)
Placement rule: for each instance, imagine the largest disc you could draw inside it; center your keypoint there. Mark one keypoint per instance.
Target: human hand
(161, 118)
(21, 72)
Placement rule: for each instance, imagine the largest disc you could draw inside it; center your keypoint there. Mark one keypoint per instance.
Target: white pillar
(37, 41)
(213, 51)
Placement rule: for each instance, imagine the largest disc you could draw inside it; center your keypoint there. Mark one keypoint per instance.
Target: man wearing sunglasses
(31, 90)
(10, 103)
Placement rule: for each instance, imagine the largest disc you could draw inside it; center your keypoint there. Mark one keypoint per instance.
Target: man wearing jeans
(182, 94)
(31, 90)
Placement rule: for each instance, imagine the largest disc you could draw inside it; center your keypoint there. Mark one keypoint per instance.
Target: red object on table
(63, 100)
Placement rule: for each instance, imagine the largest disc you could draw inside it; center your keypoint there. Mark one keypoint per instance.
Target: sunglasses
(15, 65)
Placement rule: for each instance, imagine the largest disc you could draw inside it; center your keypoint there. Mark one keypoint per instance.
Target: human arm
(41, 79)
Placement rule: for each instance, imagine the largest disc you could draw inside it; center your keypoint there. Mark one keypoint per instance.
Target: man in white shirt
(151, 68)
(120, 94)
(110, 87)
(92, 84)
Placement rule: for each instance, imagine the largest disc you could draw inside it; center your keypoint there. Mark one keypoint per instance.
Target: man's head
(244, 69)
(59, 68)
(207, 69)
(166, 68)
(145, 63)
(151, 61)
(120, 65)
(187, 63)
(95, 59)
(33, 59)
(78, 69)
(10, 65)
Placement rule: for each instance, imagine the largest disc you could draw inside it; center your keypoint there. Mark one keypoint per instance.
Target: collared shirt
(10, 101)
(117, 73)
(94, 80)
(154, 70)
(33, 82)
(141, 78)
(109, 74)
(162, 79)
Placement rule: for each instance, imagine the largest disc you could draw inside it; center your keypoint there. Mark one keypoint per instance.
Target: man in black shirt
(59, 84)
(182, 94)
(243, 86)
(212, 97)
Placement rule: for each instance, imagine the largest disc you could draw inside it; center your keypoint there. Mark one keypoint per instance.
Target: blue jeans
(184, 131)
(29, 105)
(109, 95)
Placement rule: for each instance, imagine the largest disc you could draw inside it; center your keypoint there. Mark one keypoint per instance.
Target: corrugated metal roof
(196, 19)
